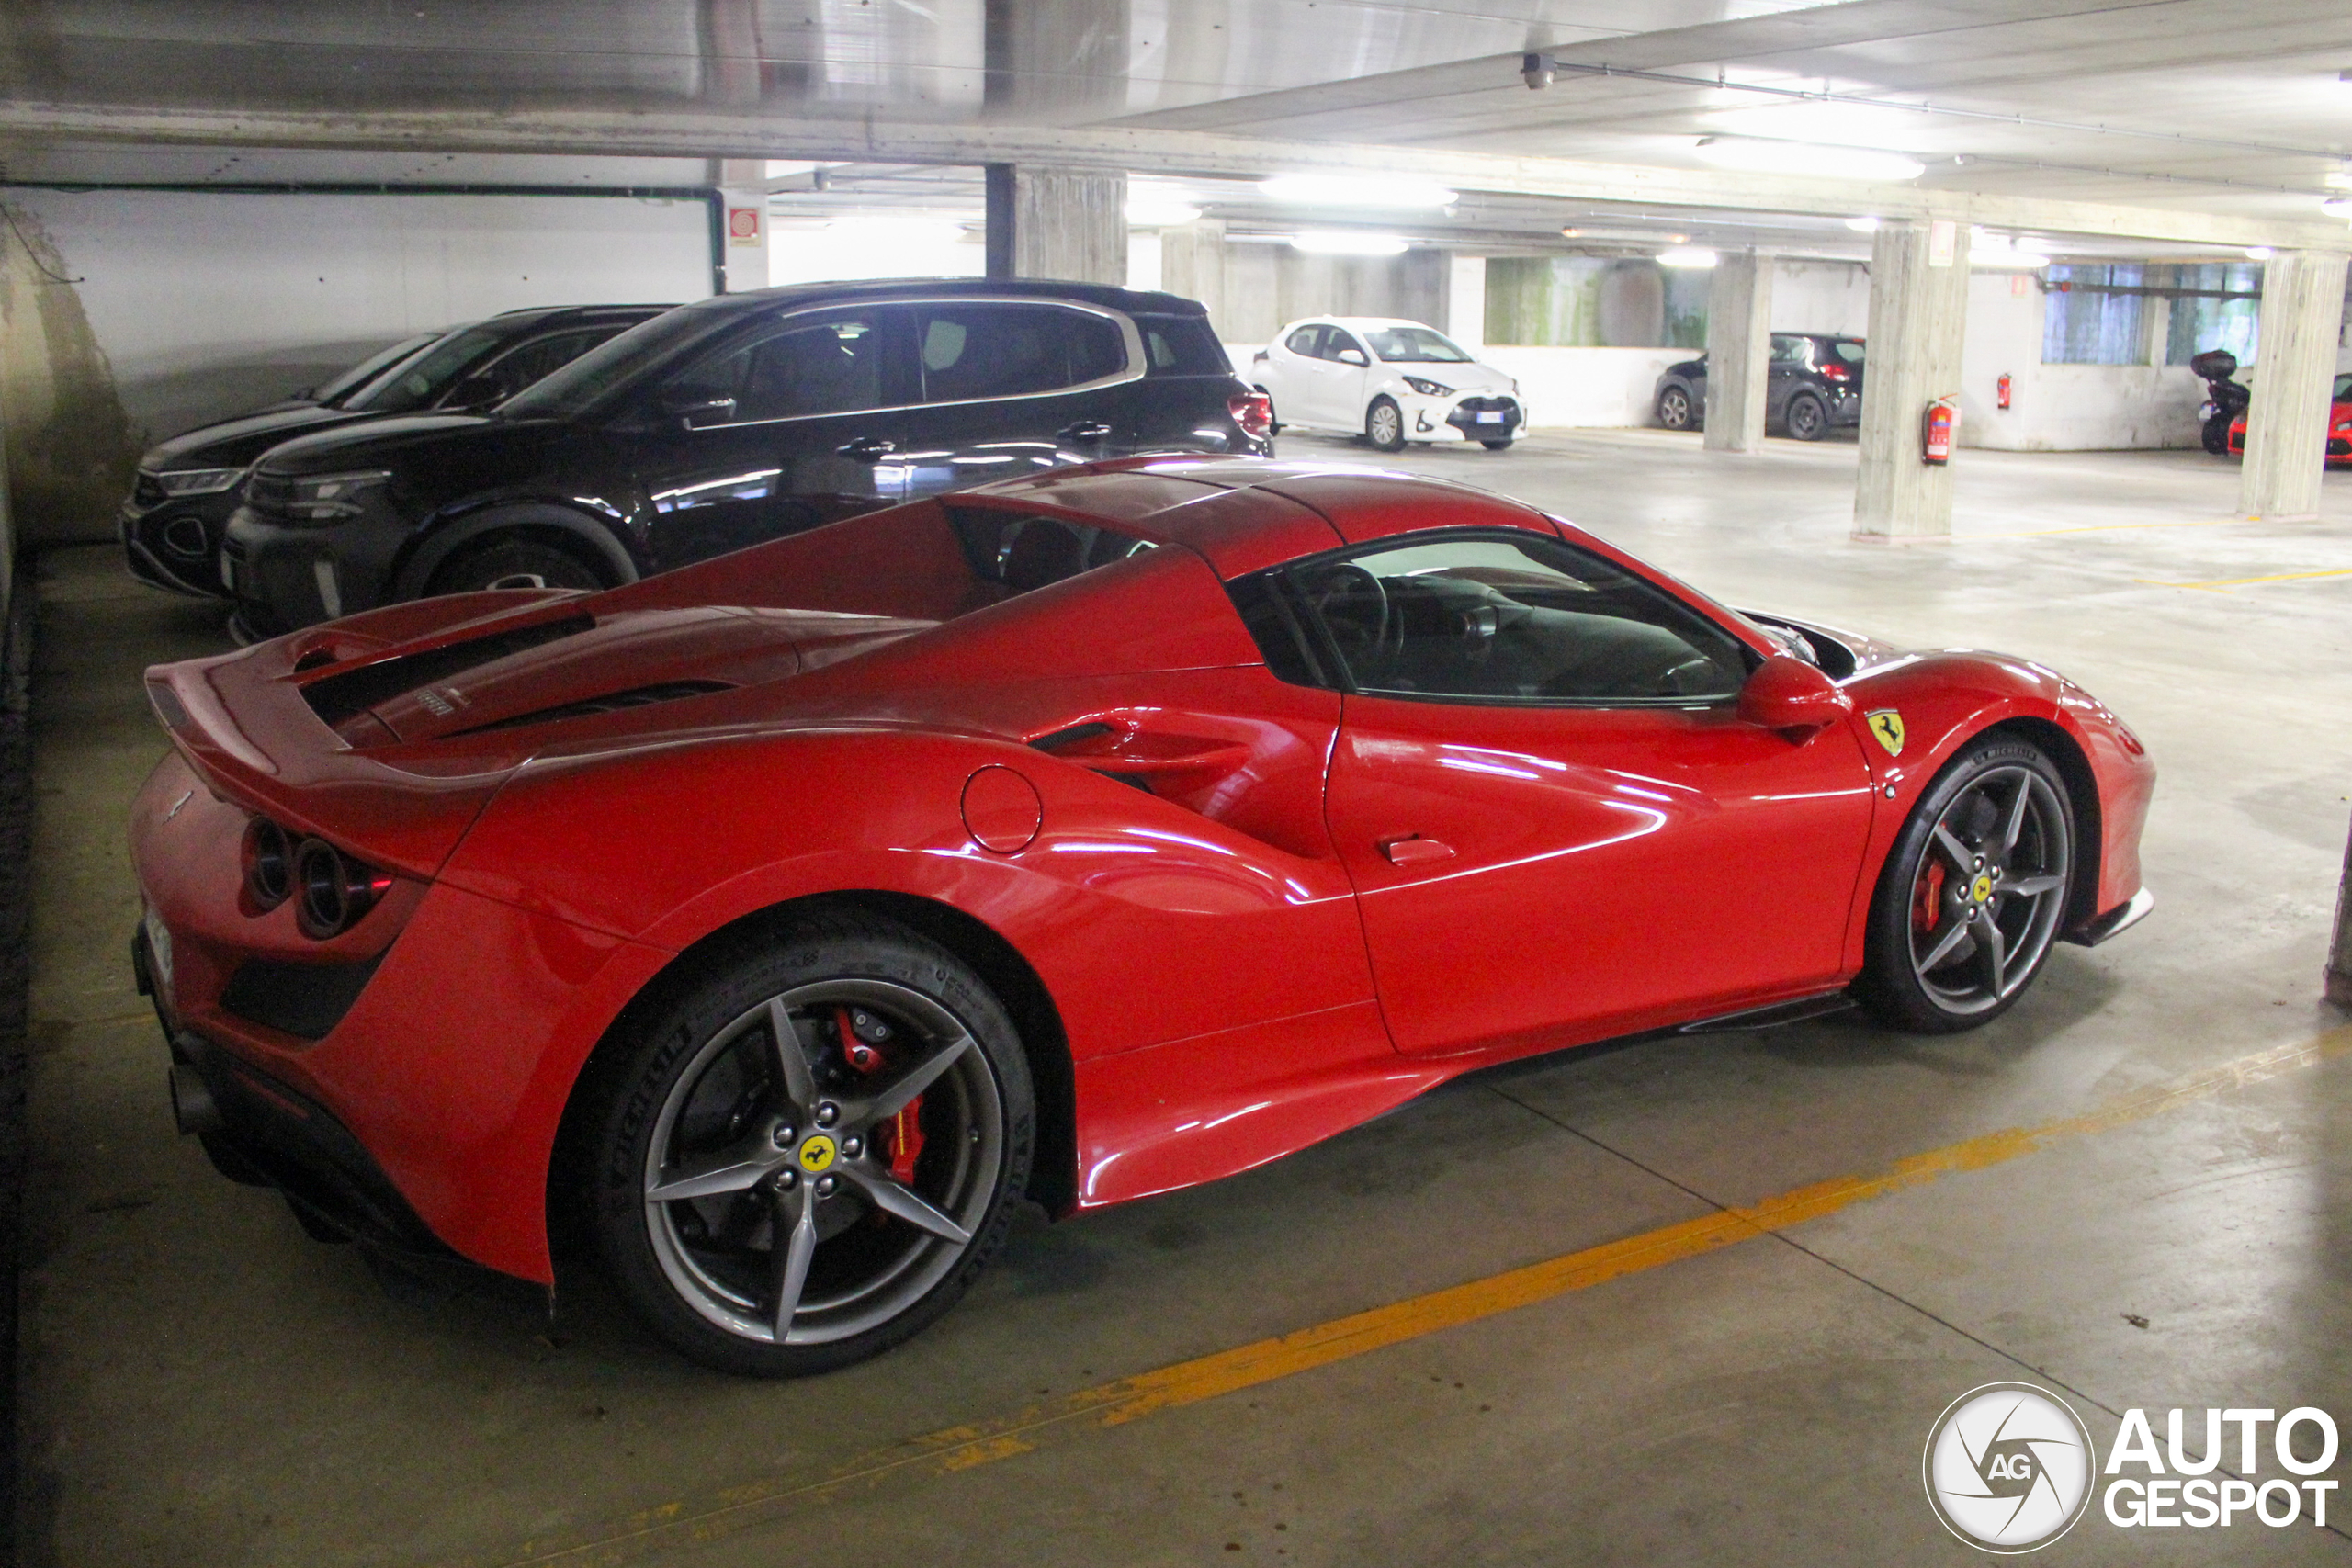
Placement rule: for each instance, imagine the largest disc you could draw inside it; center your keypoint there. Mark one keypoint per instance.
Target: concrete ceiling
(2231, 108)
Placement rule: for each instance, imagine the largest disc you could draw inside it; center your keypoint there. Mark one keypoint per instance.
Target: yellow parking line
(2223, 585)
(763, 1500)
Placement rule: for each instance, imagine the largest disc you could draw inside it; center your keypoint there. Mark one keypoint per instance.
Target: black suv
(729, 422)
(1813, 384)
(187, 487)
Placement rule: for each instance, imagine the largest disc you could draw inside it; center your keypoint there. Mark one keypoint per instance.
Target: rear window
(1849, 349)
(1023, 553)
(1182, 345)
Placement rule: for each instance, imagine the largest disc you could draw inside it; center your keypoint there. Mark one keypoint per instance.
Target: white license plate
(1490, 418)
(159, 956)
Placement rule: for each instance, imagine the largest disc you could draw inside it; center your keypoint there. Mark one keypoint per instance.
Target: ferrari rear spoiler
(244, 725)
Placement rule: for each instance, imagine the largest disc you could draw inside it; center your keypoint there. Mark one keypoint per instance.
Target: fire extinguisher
(1943, 415)
(2001, 388)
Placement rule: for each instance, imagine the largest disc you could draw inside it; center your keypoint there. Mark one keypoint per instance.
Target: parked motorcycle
(2225, 398)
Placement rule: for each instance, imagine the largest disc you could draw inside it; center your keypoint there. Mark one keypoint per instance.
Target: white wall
(128, 316)
(1820, 297)
(1569, 388)
(205, 304)
(2060, 407)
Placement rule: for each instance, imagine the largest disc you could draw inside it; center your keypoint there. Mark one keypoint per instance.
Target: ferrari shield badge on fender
(1887, 725)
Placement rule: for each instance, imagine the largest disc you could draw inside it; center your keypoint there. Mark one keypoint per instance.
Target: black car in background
(724, 422)
(1812, 385)
(187, 487)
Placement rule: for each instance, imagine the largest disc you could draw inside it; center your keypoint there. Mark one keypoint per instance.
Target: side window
(1302, 341)
(1512, 620)
(803, 368)
(977, 351)
(1336, 342)
(1787, 350)
(1182, 345)
(527, 363)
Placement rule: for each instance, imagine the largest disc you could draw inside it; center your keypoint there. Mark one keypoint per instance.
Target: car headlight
(199, 481)
(323, 498)
(1427, 388)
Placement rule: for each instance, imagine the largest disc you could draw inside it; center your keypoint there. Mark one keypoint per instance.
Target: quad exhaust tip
(193, 1106)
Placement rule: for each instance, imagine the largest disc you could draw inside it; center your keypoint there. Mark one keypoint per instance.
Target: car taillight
(332, 889)
(1254, 413)
(1836, 372)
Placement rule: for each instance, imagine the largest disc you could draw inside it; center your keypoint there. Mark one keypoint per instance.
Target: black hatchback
(726, 423)
(1813, 386)
(187, 487)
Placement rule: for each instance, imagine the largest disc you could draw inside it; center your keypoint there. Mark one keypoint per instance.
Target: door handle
(1084, 430)
(1413, 849)
(867, 447)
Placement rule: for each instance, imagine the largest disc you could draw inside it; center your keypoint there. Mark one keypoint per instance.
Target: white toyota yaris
(1389, 381)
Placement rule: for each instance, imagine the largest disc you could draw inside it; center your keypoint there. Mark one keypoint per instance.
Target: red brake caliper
(904, 1131)
(1929, 897)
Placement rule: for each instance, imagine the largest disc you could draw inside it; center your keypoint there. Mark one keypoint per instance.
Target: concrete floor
(204, 1385)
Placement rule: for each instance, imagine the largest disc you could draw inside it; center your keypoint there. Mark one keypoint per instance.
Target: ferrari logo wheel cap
(1983, 889)
(816, 1154)
(1886, 726)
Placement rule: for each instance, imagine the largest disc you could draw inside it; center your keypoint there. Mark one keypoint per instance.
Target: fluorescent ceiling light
(2259, 253)
(1346, 242)
(1686, 256)
(1763, 157)
(1861, 225)
(2338, 207)
(2340, 178)
(1346, 190)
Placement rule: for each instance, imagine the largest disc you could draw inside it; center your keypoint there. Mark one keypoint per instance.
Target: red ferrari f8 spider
(776, 923)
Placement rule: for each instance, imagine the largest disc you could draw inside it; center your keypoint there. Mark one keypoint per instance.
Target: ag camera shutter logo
(2009, 1468)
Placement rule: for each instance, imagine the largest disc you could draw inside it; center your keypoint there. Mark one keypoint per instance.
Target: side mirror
(1792, 696)
(1352, 357)
(695, 409)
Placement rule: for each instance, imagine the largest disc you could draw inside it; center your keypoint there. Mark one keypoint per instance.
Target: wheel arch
(2081, 787)
(1053, 1181)
(564, 526)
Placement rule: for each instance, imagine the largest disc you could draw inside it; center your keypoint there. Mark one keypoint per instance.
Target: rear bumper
(272, 1131)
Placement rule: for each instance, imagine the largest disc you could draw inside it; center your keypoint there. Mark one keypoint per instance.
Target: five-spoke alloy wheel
(1975, 893)
(813, 1155)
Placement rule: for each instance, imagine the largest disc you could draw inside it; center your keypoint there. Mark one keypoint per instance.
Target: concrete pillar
(1062, 223)
(1918, 312)
(2339, 952)
(743, 224)
(2286, 430)
(1739, 348)
(1465, 302)
(1192, 263)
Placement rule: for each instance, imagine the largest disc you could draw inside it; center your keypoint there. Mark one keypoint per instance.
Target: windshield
(2343, 393)
(616, 362)
(1849, 349)
(1414, 345)
(415, 383)
(366, 369)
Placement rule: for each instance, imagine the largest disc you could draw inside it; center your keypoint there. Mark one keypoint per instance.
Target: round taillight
(331, 891)
(269, 863)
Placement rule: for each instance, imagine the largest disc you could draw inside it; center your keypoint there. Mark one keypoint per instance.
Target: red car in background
(783, 918)
(2339, 425)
